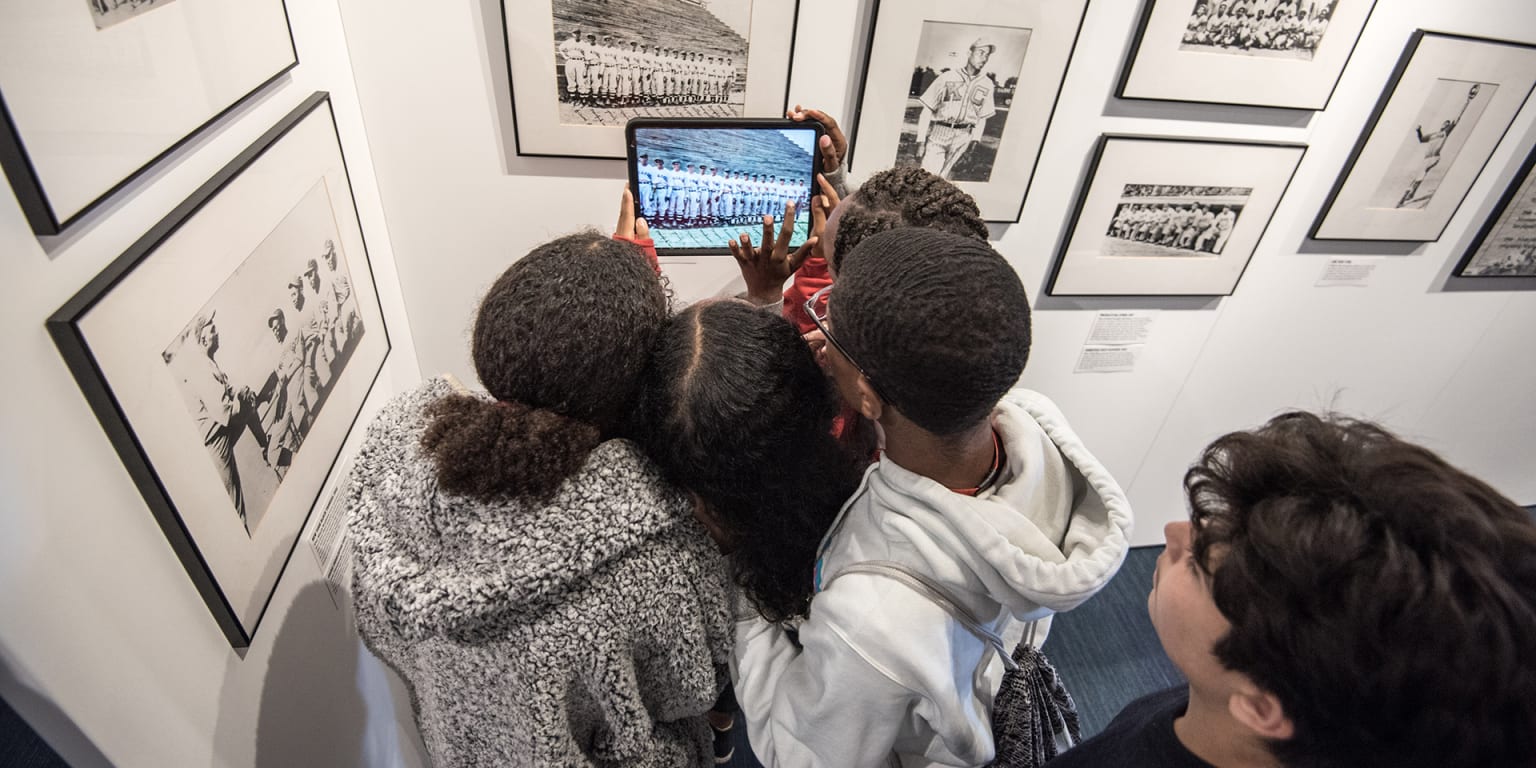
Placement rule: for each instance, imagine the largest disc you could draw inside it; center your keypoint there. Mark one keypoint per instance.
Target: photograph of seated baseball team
(658, 58)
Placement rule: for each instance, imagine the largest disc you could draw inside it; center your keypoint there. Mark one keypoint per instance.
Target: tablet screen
(701, 187)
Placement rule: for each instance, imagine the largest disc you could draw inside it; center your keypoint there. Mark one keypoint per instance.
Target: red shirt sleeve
(812, 276)
(647, 247)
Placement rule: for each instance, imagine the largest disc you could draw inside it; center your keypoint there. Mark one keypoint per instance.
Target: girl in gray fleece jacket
(548, 599)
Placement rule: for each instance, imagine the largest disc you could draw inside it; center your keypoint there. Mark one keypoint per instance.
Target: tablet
(700, 183)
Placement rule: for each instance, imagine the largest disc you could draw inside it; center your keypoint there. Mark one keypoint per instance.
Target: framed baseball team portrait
(1171, 216)
(580, 69)
(1447, 106)
(1505, 246)
(1268, 53)
(941, 84)
(93, 92)
(227, 354)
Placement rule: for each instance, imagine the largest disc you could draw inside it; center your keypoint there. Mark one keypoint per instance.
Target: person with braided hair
(546, 595)
(980, 488)
(734, 409)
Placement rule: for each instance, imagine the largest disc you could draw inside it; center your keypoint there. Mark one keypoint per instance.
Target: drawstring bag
(1033, 717)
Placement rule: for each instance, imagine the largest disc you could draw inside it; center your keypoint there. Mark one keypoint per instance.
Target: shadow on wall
(308, 709)
(50, 722)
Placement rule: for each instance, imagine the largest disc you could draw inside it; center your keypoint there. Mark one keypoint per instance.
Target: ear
(870, 404)
(1260, 711)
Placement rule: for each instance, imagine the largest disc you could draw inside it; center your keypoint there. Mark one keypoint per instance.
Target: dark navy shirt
(1141, 735)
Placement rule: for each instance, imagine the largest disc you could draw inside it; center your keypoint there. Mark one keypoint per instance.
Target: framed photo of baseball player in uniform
(941, 82)
(228, 353)
(1267, 53)
(1448, 105)
(580, 69)
(94, 92)
(1171, 216)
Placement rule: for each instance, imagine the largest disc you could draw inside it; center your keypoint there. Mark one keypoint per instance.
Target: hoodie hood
(453, 565)
(1045, 539)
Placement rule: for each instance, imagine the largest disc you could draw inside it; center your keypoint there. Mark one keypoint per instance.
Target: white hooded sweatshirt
(884, 675)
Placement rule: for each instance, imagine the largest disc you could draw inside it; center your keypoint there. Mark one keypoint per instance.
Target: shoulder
(1142, 734)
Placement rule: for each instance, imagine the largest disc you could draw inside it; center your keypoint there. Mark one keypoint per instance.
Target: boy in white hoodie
(985, 491)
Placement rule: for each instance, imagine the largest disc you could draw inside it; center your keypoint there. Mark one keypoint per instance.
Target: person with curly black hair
(734, 408)
(1338, 597)
(548, 598)
(981, 488)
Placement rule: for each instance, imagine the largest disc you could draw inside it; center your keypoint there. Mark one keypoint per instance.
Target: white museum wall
(462, 204)
(106, 648)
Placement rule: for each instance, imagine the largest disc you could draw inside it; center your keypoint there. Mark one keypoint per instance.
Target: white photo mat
(1159, 68)
(529, 28)
(894, 42)
(148, 297)
(1084, 268)
(90, 108)
(1399, 144)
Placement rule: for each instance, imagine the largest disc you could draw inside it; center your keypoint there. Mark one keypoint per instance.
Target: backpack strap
(931, 590)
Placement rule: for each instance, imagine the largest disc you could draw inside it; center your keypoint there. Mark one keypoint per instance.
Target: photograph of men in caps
(963, 81)
(287, 325)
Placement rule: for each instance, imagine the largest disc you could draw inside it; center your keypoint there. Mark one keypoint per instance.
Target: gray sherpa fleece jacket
(588, 630)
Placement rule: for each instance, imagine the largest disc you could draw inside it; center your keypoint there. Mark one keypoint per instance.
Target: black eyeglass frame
(821, 325)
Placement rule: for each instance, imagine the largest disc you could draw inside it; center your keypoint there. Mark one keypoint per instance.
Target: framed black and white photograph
(1506, 244)
(1171, 217)
(580, 69)
(1448, 105)
(93, 92)
(228, 353)
(940, 87)
(1270, 53)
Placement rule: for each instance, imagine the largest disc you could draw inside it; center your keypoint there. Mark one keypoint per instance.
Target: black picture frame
(1194, 83)
(128, 436)
(1522, 188)
(1212, 191)
(43, 213)
(1347, 195)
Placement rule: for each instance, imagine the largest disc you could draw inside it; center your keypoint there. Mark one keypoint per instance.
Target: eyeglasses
(816, 307)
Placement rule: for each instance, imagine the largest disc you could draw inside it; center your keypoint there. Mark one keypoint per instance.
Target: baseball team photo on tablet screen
(702, 183)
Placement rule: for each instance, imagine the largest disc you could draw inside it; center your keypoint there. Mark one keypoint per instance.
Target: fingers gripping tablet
(701, 183)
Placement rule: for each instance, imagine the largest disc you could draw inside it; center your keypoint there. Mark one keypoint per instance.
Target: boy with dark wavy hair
(1339, 597)
(981, 488)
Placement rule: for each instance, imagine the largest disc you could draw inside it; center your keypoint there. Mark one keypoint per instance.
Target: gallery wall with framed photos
(102, 604)
(1257, 54)
(1446, 108)
(580, 69)
(228, 352)
(1171, 217)
(425, 113)
(965, 90)
(92, 93)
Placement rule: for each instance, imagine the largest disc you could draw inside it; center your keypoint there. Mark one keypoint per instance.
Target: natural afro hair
(904, 197)
(734, 408)
(939, 322)
(559, 342)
